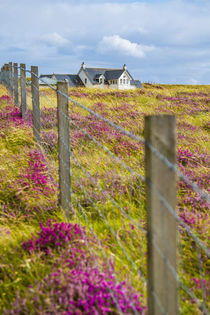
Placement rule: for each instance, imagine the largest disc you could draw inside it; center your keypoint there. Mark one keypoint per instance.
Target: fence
(110, 194)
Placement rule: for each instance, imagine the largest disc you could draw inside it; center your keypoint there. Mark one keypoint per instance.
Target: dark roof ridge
(103, 68)
(62, 74)
(56, 74)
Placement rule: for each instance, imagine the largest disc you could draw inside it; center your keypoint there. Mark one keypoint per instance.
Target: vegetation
(97, 262)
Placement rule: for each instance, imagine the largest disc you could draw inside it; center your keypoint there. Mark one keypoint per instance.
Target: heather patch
(54, 236)
(82, 290)
(50, 140)
(113, 202)
(36, 175)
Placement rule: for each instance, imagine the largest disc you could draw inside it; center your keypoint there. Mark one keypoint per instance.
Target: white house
(113, 78)
(97, 77)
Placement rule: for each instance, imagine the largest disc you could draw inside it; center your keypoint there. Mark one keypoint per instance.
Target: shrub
(55, 236)
(83, 290)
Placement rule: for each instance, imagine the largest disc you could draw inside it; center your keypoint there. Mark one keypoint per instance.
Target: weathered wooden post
(35, 102)
(162, 227)
(6, 80)
(11, 79)
(64, 149)
(23, 88)
(16, 95)
(2, 74)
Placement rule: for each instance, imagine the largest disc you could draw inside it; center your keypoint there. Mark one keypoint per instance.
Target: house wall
(117, 85)
(127, 85)
(83, 76)
(113, 85)
(101, 85)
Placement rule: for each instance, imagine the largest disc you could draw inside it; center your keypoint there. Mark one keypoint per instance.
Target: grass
(112, 199)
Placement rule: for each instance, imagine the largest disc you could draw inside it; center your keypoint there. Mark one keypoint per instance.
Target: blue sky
(163, 41)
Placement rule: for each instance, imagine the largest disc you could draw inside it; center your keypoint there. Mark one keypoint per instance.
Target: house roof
(73, 79)
(113, 74)
(45, 80)
(137, 83)
(97, 77)
(94, 73)
(110, 74)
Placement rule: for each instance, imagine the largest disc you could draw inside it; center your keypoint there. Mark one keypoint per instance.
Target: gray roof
(137, 83)
(113, 74)
(94, 73)
(73, 79)
(45, 80)
(110, 74)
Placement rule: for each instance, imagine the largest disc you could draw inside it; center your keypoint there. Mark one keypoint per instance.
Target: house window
(123, 81)
(120, 81)
(100, 80)
(85, 80)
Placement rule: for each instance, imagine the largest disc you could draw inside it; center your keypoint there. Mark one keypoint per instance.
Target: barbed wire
(176, 277)
(99, 243)
(114, 202)
(154, 150)
(172, 211)
(82, 187)
(170, 165)
(179, 220)
(101, 248)
(159, 155)
(111, 229)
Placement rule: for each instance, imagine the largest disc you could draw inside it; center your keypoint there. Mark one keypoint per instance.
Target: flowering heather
(66, 271)
(54, 236)
(82, 290)
(50, 139)
(11, 114)
(184, 156)
(36, 175)
(6, 98)
(48, 117)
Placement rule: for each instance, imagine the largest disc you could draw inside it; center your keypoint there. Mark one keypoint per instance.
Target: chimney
(83, 65)
(124, 67)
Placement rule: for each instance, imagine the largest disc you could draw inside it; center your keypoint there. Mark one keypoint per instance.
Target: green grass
(22, 208)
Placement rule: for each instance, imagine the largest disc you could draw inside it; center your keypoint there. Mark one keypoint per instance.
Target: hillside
(97, 261)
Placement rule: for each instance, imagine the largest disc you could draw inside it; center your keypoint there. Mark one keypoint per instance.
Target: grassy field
(40, 273)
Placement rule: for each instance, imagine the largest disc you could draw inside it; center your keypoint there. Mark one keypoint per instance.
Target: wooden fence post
(2, 74)
(16, 96)
(35, 102)
(6, 80)
(162, 227)
(23, 88)
(64, 149)
(11, 79)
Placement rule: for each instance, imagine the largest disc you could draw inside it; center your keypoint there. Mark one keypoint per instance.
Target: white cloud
(54, 39)
(178, 29)
(123, 46)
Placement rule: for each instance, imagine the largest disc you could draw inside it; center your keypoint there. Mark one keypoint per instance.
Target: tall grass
(112, 199)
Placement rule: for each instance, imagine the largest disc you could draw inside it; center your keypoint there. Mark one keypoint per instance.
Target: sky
(160, 41)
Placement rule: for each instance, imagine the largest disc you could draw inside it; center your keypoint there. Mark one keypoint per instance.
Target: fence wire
(109, 196)
(85, 195)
